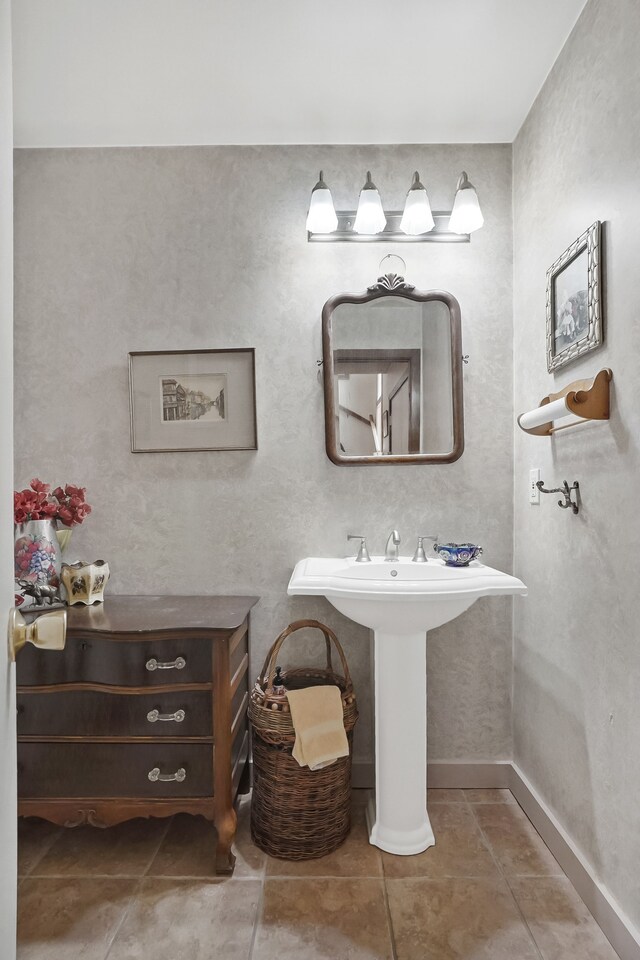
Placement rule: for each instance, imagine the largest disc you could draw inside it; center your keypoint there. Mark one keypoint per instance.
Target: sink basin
(400, 602)
(399, 597)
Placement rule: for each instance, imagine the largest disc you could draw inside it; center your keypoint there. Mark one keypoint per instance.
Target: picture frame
(575, 324)
(182, 401)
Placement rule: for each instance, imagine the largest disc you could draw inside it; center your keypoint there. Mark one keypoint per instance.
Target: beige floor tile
(35, 836)
(459, 850)
(189, 920)
(356, 857)
(189, 849)
(560, 923)
(125, 850)
(312, 919)
(445, 796)
(457, 919)
(489, 796)
(514, 841)
(74, 919)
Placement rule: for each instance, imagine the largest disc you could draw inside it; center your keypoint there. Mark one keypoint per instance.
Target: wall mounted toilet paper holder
(580, 401)
(566, 491)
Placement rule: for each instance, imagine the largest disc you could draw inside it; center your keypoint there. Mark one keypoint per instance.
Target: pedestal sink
(400, 602)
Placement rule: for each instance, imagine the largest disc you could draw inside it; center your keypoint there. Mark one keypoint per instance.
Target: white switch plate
(534, 493)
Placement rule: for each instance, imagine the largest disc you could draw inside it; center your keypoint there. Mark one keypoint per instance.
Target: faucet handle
(420, 556)
(363, 553)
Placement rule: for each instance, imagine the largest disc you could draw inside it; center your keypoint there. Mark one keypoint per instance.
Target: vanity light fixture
(417, 217)
(370, 218)
(417, 223)
(466, 215)
(321, 217)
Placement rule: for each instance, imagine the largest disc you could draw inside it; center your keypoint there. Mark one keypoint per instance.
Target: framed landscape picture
(574, 303)
(185, 400)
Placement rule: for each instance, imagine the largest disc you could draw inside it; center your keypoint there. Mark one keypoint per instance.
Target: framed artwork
(574, 301)
(186, 400)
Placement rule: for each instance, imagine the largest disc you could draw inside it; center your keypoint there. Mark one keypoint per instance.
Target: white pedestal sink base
(400, 601)
(397, 820)
(397, 841)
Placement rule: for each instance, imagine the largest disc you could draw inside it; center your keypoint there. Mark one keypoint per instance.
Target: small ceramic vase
(37, 565)
(85, 582)
(64, 536)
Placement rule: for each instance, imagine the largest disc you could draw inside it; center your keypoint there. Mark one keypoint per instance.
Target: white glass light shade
(322, 215)
(466, 215)
(417, 217)
(370, 218)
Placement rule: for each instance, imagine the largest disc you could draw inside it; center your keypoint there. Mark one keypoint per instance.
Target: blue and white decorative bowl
(457, 554)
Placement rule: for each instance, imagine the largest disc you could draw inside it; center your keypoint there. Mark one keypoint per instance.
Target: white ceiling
(116, 72)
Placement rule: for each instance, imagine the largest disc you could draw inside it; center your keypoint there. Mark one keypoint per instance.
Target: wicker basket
(297, 813)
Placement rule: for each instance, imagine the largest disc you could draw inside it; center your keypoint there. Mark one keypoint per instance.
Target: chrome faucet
(420, 556)
(391, 553)
(363, 553)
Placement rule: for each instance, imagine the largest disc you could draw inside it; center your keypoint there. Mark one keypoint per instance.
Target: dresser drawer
(138, 663)
(89, 713)
(114, 770)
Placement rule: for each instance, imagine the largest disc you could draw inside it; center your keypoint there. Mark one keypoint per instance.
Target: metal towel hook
(566, 491)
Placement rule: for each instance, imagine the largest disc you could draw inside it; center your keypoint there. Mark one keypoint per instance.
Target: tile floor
(489, 890)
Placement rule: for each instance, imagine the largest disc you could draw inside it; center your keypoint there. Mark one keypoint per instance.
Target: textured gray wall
(143, 249)
(577, 662)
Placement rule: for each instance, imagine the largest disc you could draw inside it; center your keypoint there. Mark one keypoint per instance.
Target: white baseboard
(468, 774)
(444, 774)
(617, 927)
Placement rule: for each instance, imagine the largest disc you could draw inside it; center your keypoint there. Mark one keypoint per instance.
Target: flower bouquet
(38, 551)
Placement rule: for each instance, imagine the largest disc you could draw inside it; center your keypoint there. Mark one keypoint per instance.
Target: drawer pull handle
(178, 664)
(155, 775)
(154, 715)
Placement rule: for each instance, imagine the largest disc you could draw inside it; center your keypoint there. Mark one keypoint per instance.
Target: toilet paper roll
(545, 414)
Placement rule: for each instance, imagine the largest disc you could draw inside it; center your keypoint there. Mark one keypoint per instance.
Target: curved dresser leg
(226, 825)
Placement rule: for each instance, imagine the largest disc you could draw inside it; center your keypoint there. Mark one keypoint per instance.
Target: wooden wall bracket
(586, 399)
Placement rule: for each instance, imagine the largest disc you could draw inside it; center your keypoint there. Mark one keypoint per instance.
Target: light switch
(534, 493)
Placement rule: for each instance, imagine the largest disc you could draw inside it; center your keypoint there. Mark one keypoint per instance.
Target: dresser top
(153, 614)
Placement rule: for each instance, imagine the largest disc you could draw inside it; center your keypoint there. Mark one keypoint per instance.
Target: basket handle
(269, 668)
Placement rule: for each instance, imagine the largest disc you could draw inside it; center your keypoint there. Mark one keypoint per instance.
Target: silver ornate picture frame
(574, 301)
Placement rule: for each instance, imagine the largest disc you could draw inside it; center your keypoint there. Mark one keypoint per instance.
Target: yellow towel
(317, 718)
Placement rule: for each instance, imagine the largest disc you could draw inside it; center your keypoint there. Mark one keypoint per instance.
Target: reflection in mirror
(395, 386)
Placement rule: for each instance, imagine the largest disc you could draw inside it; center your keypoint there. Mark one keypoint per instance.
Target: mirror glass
(393, 372)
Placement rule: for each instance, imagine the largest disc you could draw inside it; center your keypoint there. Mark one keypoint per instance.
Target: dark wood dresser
(143, 714)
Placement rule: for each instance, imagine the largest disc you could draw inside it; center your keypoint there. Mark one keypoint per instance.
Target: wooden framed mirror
(392, 362)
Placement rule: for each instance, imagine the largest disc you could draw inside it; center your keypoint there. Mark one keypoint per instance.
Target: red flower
(68, 504)
(65, 516)
(39, 486)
